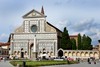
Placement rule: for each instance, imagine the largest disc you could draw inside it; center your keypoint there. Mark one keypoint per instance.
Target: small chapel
(36, 37)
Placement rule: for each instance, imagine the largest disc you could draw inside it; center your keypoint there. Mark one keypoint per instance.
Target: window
(33, 28)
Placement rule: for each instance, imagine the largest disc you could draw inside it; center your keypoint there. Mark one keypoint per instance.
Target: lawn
(40, 63)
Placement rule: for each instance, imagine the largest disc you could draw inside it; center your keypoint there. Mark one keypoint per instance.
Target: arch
(82, 54)
(15, 52)
(48, 53)
(95, 54)
(65, 54)
(51, 54)
(78, 54)
(18, 52)
(74, 54)
(86, 54)
(91, 54)
(69, 54)
(25, 52)
(60, 53)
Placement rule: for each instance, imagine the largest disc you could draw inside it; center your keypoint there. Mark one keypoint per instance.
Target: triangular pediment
(33, 14)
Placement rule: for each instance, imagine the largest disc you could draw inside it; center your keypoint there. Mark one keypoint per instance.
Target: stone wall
(81, 53)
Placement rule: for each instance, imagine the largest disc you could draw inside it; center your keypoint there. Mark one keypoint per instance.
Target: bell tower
(42, 10)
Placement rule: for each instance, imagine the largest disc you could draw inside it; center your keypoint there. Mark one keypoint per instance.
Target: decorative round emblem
(33, 28)
(34, 14)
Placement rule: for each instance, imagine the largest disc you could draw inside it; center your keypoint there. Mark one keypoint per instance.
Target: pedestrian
(94, 61)
(4, 59)
(78, 60)
(88, 61)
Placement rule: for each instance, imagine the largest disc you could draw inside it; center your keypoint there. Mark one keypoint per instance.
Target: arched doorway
(60, 53)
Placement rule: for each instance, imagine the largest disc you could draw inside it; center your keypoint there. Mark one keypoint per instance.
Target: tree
(65, 41)
(89, 40)
(79, 42)
(84, 44)
(64, 38)
(73, 44)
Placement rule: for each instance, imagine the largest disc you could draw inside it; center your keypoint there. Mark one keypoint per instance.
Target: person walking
(88, 61)
(94, 61)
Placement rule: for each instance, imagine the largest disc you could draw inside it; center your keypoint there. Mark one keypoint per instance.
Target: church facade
(35, 37)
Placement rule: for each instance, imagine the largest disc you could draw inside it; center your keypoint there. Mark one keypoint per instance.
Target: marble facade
(35, 37)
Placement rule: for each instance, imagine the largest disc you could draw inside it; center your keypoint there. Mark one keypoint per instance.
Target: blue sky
(79, 16)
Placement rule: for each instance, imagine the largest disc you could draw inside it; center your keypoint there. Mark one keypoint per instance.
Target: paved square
(5, 64)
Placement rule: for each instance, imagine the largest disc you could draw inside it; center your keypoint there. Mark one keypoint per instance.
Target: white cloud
(61, 24)
(90, 27)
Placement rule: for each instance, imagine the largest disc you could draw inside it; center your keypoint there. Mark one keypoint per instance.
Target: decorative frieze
(38, 36)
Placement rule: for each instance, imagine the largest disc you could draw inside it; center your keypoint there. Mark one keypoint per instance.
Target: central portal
(60, 53)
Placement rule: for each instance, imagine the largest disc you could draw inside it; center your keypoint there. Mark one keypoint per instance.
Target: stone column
(34, 53)
(28, 48)
(34, 44)
(55, 48)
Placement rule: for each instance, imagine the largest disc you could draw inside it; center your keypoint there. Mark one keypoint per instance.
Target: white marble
(33, 41)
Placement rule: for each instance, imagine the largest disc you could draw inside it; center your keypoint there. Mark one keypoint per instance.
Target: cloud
(83, 25)
(4, 37)
(61, 24)
(89, 27)
(88, 3)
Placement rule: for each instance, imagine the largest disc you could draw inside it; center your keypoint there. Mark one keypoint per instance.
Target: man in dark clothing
(89, 61)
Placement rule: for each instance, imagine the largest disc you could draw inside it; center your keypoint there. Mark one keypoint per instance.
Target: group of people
(89, 60)
(4, 59)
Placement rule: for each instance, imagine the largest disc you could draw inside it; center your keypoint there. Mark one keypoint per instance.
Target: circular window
(34, 28)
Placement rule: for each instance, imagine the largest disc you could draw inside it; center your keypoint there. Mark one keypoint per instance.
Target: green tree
(79, 42)
(84, 47)
(65, 41)
(89, 40)
(86, 43)
(73, 44)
